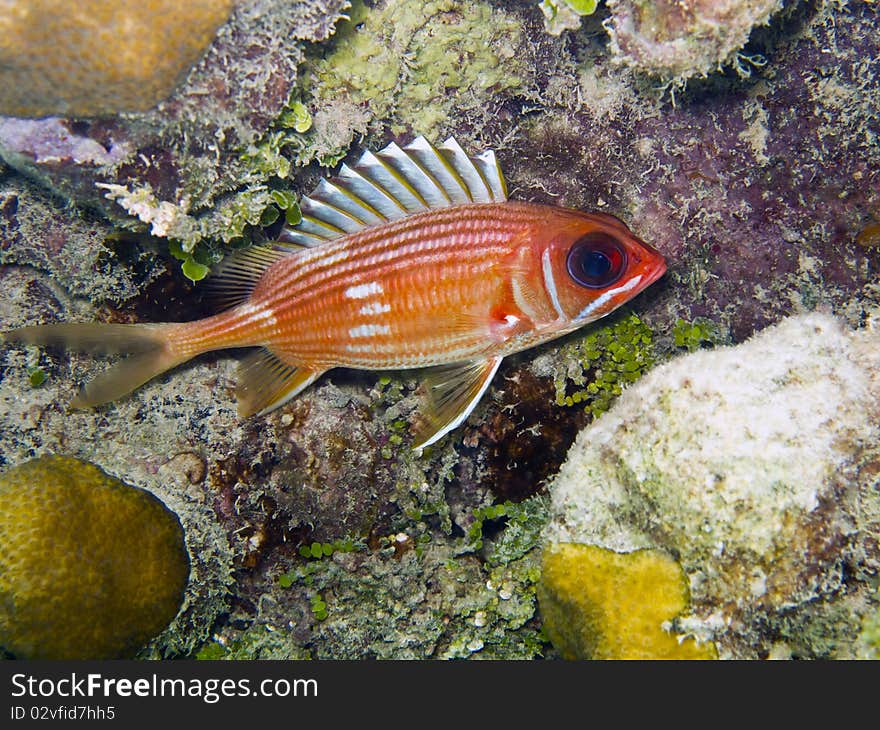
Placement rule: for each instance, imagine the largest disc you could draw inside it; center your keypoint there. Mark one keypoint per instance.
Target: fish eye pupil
(596, 264)
(596, 260)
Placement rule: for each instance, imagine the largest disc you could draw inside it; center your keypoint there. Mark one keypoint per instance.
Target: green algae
(410, 595)
(616, 354)
(319, 550)
(611, 357)
(560, 15)
(296, 116)
(700, 332)
(36, 376)
(522, 523)
(319, 607)
(870, 633)
(522, 531)
(257, 642)
(582, 7)
(194, 264)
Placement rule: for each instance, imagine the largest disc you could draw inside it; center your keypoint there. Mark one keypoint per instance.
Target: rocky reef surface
(324, 534)
(755, 467)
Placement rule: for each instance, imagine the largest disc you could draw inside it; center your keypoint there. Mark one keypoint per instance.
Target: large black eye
(596, 260)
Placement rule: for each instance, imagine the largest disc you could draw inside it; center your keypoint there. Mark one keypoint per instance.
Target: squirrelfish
(411, 258)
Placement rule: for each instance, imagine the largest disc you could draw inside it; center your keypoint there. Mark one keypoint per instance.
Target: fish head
(590, 264)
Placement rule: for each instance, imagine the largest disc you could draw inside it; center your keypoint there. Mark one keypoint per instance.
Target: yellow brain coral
(599, 604)
(95, 57)
(90, 568)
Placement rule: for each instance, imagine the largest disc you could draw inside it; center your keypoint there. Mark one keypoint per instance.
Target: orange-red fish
(413, 258)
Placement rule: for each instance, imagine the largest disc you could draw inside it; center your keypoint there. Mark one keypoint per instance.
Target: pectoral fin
(265, 383)
(453, 391)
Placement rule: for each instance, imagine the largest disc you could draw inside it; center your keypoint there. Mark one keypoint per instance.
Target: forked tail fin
(148, 346)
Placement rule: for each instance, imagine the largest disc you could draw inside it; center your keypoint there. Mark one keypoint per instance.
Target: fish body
(454, 285)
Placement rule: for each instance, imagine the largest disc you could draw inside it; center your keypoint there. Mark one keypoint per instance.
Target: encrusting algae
(417, 62)
(90, 568)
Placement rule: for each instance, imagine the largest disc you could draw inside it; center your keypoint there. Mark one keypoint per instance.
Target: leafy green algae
(696, 334)
(608, 359)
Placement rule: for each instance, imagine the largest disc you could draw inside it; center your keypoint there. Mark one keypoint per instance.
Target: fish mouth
(654, 270)
(651, 266)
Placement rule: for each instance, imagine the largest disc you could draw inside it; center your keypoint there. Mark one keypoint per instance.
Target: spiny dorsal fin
(394, 183)
(235, 277)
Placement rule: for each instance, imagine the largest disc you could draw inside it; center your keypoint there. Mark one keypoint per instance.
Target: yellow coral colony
(599, 604)
(94, 57)
(90, 567)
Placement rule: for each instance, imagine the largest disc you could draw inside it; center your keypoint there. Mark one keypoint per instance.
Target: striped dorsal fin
(394, 183)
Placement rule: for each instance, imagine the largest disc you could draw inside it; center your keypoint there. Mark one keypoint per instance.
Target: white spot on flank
(375, 308)
(599, 301)
(369, 330)
(550, 283)
(362, 291)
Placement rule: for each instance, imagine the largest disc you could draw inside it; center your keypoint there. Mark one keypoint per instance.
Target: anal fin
(453, 392)
(266, 383)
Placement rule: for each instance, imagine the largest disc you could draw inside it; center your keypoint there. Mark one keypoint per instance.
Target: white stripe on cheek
(522, 302)
(550, 283)
(599, 301)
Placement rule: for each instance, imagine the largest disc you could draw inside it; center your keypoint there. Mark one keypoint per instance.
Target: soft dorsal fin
(234, 278)
(394, 183)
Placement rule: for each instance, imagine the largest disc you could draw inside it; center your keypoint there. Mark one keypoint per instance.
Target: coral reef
(252, 493)
(184, 162)
(761, 191)
(149, 445)
(599, 604)
(748, 237)
(93, 58)
(406, 595)
(91, 568)
(755, 466)
(85, 255)
(678, 40)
